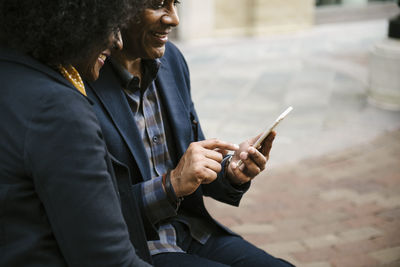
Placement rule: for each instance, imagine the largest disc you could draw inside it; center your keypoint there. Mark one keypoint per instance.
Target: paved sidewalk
(340, 209)
(241, 86)
(331, 194)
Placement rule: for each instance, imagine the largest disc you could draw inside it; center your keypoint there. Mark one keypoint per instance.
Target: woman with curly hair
(59, 200)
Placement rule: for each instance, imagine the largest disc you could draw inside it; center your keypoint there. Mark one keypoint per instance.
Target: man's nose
(171, 18)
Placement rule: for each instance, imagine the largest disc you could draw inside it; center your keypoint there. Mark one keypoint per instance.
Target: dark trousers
(220, 250)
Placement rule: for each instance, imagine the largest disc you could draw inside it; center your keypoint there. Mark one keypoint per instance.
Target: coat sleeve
(66, 156)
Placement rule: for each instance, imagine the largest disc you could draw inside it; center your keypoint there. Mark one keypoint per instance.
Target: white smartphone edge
(265, 133)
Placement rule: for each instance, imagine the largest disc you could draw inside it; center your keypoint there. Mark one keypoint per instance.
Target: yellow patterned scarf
(72, 75)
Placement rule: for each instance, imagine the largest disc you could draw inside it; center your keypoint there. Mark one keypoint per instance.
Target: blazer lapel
(178, 112)
(116, 105)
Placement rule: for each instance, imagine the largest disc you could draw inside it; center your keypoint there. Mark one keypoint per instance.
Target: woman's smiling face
(89, 67)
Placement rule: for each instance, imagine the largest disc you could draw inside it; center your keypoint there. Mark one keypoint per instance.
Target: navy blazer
(59, 203)
(124, 142)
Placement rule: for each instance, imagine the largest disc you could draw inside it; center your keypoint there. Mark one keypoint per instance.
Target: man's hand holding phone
(254, 161)
(253, 154)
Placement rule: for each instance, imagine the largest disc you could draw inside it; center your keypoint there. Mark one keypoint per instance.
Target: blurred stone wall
(254, 17)
(197, 19)
(211, 18)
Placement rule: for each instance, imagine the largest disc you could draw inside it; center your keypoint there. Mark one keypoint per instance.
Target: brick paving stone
(364, 220)
(354, 260)
(365, 210)
(284, 247)
(389, 240)
(390, 202)
(392, 264)
(322, 241)
(316, 255)
(329, 216)
(317, 264)
(388, 255)
(363, 233)
(323, 229)
(359, 247)
(338, 194)
(285, 236)
(293, 223)
(392, 214)
(254, 228)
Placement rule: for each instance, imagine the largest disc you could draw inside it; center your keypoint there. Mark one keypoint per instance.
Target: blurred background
(331, 193)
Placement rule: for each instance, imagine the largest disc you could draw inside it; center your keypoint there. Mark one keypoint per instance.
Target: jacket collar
(131, 83)
(11, 55)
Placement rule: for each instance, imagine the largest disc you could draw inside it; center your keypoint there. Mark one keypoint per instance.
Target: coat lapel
(178, 112)
(116, 105)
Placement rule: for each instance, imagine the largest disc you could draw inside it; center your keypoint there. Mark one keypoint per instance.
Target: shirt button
(155, 139)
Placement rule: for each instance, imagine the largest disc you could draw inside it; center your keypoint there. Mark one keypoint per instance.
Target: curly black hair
(62, 31)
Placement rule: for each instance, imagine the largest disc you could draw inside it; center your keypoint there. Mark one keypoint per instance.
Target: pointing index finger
(218, 144)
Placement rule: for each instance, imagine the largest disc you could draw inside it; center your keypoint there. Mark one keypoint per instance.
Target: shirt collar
(131, 82)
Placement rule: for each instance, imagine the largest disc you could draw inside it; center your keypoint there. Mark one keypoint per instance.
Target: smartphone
(264, 135)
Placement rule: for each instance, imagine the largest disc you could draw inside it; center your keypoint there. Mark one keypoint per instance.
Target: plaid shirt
(145, 104)
(146, 108)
